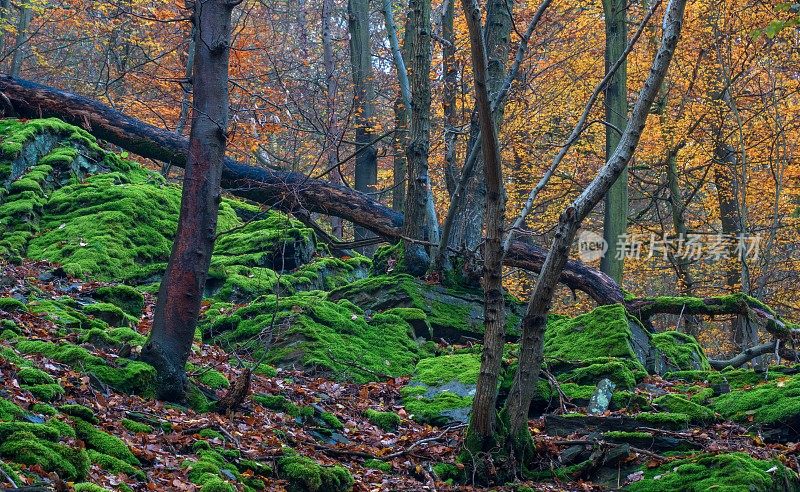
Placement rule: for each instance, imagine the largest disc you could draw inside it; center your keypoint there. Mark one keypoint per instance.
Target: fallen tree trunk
(287, 191)
(744, 357)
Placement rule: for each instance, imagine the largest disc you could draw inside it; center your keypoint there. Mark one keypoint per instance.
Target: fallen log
(745, 356)
(287, 191)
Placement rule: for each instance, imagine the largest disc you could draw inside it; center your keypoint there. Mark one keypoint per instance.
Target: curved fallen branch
(745, 356)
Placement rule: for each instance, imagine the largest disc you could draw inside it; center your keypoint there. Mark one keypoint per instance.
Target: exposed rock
(601, 399)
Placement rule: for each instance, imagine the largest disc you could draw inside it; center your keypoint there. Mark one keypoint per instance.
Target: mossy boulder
(311, 332)
(774, 406)
(124, 297)
(27, 448)
(442, 388)
(725, 471)
(306, 475)
(451, 313)
(681, 351)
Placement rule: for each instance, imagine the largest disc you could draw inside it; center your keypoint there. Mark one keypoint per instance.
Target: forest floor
(260, 434)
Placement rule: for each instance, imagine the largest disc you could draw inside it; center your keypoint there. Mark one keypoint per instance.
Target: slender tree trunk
(332, 134)
(449, 92)
(615, 217)
(19, 46)
(482, 429)
(419, 64)
(399, 163)
(467, 231)
(366, 173)
(186, 88)
(535, 319)
(5, 6)
(178, 304)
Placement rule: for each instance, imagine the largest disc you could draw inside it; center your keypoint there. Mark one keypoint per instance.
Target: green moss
(79, 411)
(88, 487)
(726, 471)
(110, 314)
(216, 484)
(698, 414)
(113, 337)
(10, 305)
(26, 448)
(277, 403)
(388, 421)
(8, 429)
(136, 427)
(211, 434)
(600, 334)
(449, 472)
(31, 375)
(626, 436)
(104, 443)
(45, 392)
(9, 325)
(378, 465)
(63, 428)
(430, 410)
(664, 419)
(331, 420)
(214, 379)
(775, 402)
(617, 371)
(333, 337)
(9, 411)
(124, 297)
(435, 371)
(43, 409)
(115, 465)
(306, 475)
(112, 226)
(681, 350)
(127, 376)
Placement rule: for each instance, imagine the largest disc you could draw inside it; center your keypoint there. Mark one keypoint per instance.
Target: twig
(362, 454)
(10, 480)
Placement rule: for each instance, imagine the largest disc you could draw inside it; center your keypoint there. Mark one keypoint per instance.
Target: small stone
(601, 398)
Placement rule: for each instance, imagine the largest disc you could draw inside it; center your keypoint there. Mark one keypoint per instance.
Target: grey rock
(601, 398)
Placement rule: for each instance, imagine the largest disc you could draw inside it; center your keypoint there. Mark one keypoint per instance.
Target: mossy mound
(450, 313)
(309, 331)
(682, 352)
(776, 403)
(306, 475)
(727, 471)
(442, 388)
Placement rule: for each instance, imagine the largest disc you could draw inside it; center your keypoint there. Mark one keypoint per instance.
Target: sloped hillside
(363, 375)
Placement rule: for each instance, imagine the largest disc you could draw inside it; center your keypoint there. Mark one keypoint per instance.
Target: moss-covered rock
(306, 475)
(388, 421)
(11, 305)
(311, 332)
(726, 471)
(103, 442)
(451, 313)
(681, 351)
(698, 414)
(775, 404)
(124, 297)
(29, 448)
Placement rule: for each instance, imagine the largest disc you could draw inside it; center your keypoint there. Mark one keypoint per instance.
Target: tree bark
(283, 190)
(417, 198)
(534, 321)
(366, 168)
(25, 14)
(332, 132)
(449, 91)
(178, 304)
(615, 215)
(481, 431)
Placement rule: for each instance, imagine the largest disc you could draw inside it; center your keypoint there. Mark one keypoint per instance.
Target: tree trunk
(482, 426)
(19, 46)
(419, 63)
(535, 319)
(366, 172)
(178, 303)
(449, 91)
(615, 216)
(467, 231)
(332, 133)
